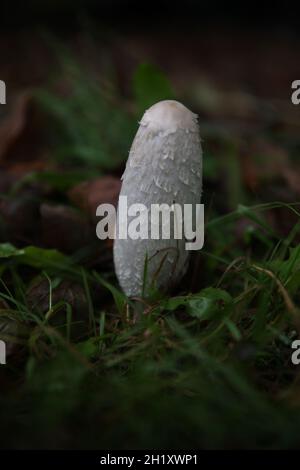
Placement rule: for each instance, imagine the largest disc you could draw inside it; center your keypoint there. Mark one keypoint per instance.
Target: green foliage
(205, 305)
(7, 251)
(92, 125)
(199, 363)
(150, 85)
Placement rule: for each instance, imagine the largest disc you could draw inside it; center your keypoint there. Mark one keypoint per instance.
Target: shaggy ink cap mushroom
(164, 167)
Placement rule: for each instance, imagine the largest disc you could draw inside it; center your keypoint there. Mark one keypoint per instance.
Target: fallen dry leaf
(64, 228)
(38, 296)
(89, 194)
(20, 217)
(14, 122)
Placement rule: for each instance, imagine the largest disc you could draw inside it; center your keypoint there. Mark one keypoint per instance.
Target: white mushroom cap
(169, 115)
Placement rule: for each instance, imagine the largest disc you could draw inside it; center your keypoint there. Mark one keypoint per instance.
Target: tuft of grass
(205, 369)
(91, 123)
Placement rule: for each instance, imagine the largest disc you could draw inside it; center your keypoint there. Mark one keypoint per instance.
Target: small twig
(230, 267)
(292, 308)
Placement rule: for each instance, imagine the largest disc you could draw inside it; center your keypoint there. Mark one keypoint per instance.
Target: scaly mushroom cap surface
(164, 167)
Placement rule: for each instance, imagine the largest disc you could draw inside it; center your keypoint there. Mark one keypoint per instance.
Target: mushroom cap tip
(170, 114)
